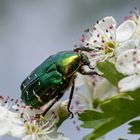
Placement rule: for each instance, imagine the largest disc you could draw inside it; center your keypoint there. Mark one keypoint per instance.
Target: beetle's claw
(97, 74)
(71, 115)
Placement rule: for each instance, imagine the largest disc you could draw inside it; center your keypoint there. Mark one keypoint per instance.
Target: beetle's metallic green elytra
(51, 78)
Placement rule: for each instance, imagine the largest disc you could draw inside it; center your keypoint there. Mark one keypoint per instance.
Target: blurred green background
(31, 30)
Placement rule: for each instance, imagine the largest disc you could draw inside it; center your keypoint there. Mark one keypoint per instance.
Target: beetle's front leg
(82, 71)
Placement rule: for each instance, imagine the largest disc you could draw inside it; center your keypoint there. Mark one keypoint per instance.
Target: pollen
(31, 128)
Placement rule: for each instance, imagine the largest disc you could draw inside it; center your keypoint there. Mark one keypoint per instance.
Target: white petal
(110, 21)
(129, 83)
(17, 131)
(104, 24)
(106, 91)
(79, 81)
(138, 43)
(27, 137)
(129, 62)
(125, 31)
(130, 44)
(5, 126)
(34, 137)
(3, 112)
(100, 30)
(58, 136)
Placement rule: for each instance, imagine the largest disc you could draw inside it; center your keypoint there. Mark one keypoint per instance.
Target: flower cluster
(106, 36)
(96, 89)
(18, 120)
(128, 59)
(119, 45)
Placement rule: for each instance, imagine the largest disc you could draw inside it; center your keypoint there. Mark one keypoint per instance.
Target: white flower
(8, 120)
(28, 123)
(128, 63)
(136, 18)
(38, 127)
(96, 89)
(106, 36)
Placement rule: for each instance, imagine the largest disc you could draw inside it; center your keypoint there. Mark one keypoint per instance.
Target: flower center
(31, 128)
(109, 47)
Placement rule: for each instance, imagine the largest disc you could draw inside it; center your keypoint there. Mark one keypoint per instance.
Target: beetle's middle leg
(52, 103)
(70, 98)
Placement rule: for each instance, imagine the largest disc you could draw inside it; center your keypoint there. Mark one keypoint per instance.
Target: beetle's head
(84, 56)
(84, 59)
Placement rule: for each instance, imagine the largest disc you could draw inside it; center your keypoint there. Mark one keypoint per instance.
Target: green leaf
(109, 72)
(90, 115)
(115, 112)
(135, 127)
(87, 137)
(96, 124)
(135, 95)
(93, 119)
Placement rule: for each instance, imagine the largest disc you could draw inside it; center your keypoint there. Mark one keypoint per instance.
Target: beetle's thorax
(69, 63)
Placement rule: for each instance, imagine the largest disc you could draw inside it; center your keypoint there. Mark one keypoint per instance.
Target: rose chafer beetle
(49, 81)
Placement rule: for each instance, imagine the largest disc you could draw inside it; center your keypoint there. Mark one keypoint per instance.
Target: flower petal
(130, 44)
(129, 83)
(79, 81)
(5, 126)
(129, 62)
(125, 31)
(57, 136)
(105, 23)
(106, 91)
(104, 28)
(3, 112)
(27, 137)
(17, 131)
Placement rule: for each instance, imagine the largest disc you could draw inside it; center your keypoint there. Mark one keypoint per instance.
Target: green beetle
(50, 80)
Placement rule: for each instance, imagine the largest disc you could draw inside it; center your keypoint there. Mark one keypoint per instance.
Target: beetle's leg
(82, 71)
(92, 68)
(86, 49)
(51, 104)
(70, 99)
(90, 73)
